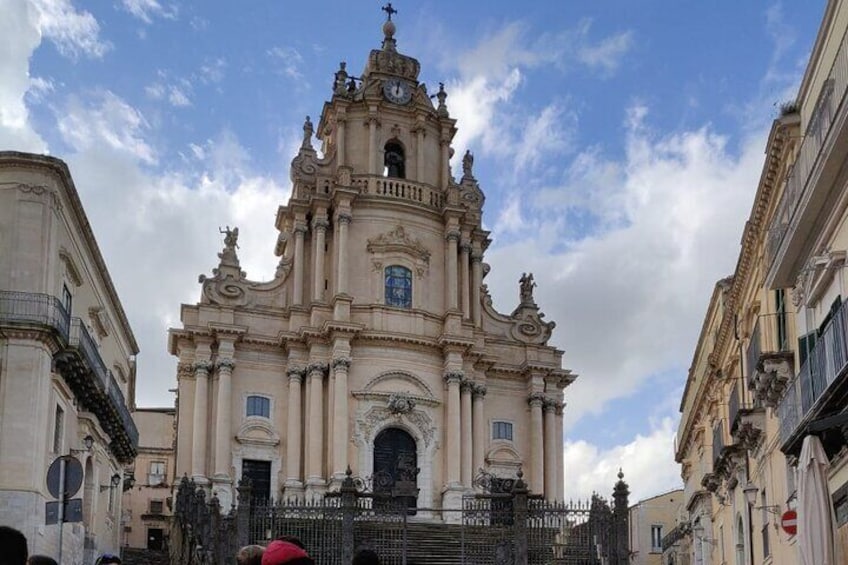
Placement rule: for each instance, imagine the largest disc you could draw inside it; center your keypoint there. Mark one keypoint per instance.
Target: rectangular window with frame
(156, 475)
(656, 538)
(156, 506)
(502, 430)
(67, 299)
(258, 406)
(58, 430)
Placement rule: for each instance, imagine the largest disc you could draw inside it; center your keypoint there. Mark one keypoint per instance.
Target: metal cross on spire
(389, 10)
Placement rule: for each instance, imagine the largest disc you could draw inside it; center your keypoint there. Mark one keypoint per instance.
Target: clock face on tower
(397, 91)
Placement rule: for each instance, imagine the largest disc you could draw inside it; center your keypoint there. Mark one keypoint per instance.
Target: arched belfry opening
(396, 466)
(394, 160)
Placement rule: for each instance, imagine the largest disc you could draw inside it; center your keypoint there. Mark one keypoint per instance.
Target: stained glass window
(398, 286)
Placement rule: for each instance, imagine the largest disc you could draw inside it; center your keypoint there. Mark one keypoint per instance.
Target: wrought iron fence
(491, 528)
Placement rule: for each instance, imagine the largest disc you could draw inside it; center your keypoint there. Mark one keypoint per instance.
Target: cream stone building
(770, 364)
(67, 363)
(376, 346)
(146, 506)
(650, 520)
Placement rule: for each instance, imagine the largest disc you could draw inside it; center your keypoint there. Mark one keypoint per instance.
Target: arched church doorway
(396, 467)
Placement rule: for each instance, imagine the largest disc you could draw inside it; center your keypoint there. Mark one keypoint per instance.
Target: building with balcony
(376, 347)
(146, 506)
(67, 364)
(808, 239)
(736, 479)
(650, 521)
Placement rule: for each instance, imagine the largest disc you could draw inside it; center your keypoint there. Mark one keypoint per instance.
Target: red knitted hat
(280, 552)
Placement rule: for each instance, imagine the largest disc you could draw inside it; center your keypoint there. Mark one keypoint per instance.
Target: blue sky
(619, 145)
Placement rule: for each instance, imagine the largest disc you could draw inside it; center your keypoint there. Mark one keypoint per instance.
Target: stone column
(297, 285)
(200, 423)
(315, 461)
(550, 450)
(341, 118)
(340, 417)
(223, 417)
(319, 232)
(466, 472)
(476, 283)
(480, 430)
(560, 463)
(342, 223)
(465, 255)
(420, 132)
(537, 450)
(453, 427)
(294, 432)
(444, 143)
(451, 284)
(373, 122)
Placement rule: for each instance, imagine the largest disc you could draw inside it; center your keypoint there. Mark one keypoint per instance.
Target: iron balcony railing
(31, 309)
(27, 309)
(824, 363)
(827, 107)
(770, 335)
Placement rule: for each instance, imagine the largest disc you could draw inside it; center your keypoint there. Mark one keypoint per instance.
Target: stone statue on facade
(307, 134)
(527, 285)
(228, 255)
(467, 165)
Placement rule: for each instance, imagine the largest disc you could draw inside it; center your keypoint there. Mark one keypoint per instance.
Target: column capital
(476, 257)
(452, 235)
(550, 405)
(465, 247)
(454, 377)
(295, 373)
(560, 408)
(184, 370)
(479, 390)
(536, 399)
(225, 364)
(320, 224)
(202, 368)
(341, 363)
(317, 369)
(344, 218)
(300, 229)
(466, 386)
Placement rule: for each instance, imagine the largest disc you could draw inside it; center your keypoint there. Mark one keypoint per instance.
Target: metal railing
(827, 107)
(82, 341)
(770, 335)
(825, 362)
(28, 309)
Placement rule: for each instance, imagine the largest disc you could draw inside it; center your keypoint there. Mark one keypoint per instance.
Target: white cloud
(213, 71)
(146, 10)
(288, 61)
(178, 97)
(105, 121)
(607, 53)
(646, 461)
(74, 32)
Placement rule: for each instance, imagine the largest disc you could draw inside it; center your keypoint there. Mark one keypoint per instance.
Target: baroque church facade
(376, 346)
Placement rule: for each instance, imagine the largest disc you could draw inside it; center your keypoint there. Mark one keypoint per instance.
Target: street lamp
(751, 491)
(87, 443)
(113, 482)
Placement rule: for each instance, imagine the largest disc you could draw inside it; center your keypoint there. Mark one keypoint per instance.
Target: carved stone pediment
(398, 240)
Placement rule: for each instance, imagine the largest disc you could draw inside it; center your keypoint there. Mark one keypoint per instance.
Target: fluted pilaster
(223, 433)
(294, 431)
(453, 427)
(315, 459)
(340, 416)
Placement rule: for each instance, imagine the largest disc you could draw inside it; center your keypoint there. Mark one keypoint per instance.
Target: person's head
(41, 560)
(281, 552)
(366, 557)
(107, 558)
(250, 555)
(14, 546)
